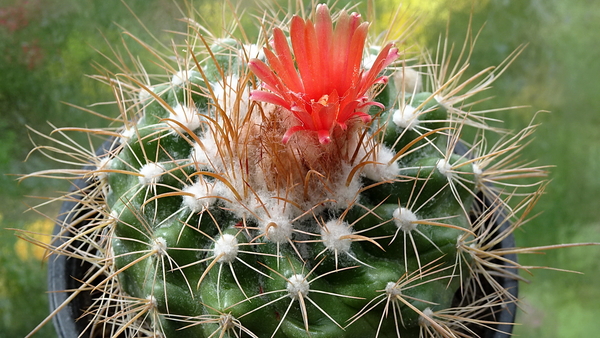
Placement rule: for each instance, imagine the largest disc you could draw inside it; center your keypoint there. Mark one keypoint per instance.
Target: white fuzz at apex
(205, 154)
(392, 289)
(226, 248)
(181, 77)
(425, 317)
(184, 116)
(477, 172)
(297, 286)
(151, 173)
(332, 234)
(200, 200)
(407, 117)
(405, 219)
(228, 94)
(444, 167)
(103, 164)
(278, 230)
(113, 217)
(152, 301)
(383, 170)
(126, 134)
(159, 247)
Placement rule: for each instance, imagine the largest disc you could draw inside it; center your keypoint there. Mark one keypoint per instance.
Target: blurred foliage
(557, 73)
(46, 49)
(48, 46)
(23, 301)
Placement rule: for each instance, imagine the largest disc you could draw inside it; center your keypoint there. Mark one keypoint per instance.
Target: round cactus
(312, 189)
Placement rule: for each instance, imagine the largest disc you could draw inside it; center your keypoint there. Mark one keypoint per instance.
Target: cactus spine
(304, 191)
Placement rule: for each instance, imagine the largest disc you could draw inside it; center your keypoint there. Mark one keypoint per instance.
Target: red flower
(326, 85)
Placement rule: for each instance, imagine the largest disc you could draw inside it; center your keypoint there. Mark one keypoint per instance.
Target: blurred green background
(47, 47)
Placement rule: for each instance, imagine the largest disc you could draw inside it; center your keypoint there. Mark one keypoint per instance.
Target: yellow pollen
(323, 100)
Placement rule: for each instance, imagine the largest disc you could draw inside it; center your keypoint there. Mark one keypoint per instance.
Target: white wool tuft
(392, 289)
(382, 170)
(407, 79)
(201, 190)
(113, 217)
(297, 286)
(144, 95)
(103, 164)
(477, 173)
(425, 317)
(252, 51)
(332, 234)
(444, 167)
(159, 247)
(344, 196)
(405, 219)
(152, 301)
(126, 134)
(277, 229)
(407, 117)
(186, 116)
(232, 98)
(151, 173)
(180, 77)
(226, 247)
(205, 154)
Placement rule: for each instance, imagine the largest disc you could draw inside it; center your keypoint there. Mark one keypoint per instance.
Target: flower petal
(285, 57)
(385, 57)
(259, 95)
(290, 132)
(297, 35)
(324, 136)
(324, 31)
(264, 73)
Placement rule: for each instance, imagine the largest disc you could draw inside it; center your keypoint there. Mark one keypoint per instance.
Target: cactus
(307, 190)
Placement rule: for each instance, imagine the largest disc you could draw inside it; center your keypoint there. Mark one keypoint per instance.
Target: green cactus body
(286, 196)
(190, 248)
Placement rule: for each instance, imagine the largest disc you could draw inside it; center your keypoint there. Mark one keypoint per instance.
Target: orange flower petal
(327, 63)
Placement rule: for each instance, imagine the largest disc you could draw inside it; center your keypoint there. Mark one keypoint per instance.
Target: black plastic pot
(504, 315)
(64, 273)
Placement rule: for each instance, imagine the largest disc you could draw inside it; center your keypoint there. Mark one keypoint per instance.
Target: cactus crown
(299, 192)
